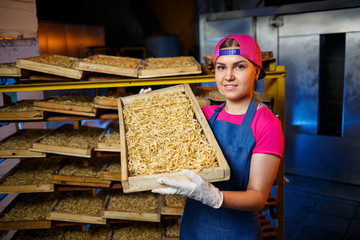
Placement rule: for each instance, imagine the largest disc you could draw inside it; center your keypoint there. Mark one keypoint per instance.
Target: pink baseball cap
(248, 49)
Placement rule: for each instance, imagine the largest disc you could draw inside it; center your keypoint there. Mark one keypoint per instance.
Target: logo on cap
(232, 51)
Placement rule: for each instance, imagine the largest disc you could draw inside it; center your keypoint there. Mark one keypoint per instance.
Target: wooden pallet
(57, 178)
(89, 64)
(72, 109)
(22, 153)
(131, 214)
(21, 115)
(32, 64)
(73, 217)
(145, 72)
(149, 182)
(37, 146)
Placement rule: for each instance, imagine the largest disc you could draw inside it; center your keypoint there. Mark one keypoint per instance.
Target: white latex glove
(145, 90)
(198, 189)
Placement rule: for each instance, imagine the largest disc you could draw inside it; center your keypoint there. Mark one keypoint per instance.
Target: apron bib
(200, 221)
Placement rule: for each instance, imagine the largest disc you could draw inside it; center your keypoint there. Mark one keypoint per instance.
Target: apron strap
(250, 112)
(216, 113)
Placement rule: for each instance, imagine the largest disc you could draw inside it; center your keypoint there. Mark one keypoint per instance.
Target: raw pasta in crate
(68, 141)
(109, 141)
(163, 132)
(74, 104)
(112, 170)
(124, 66)
(171, 229)
(27, 211)
(136, 230)
(30, 175)
(52, 64)
(140, 206)
(17, 144)
(77, 173)
(169, 66)
(21, 110)
(40, 234)
(80, 207)
(172, 204)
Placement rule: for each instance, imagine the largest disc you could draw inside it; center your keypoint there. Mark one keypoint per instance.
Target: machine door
(321, 53)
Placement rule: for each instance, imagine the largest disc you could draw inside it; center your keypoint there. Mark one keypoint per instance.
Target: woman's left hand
(198, 189)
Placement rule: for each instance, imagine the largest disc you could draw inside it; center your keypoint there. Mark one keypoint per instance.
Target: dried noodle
(74, 99)
(21, 106)
(137, 231)
(140, 201)
(22, 139)
(163, 136)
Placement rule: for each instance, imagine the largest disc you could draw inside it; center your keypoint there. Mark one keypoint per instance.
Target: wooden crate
(18, 114)
(92, 232)
(175, 222)
(102, 145)
(9, 70)
(37, 146)
(149, 182)
(72, 180)
(28, 167)
(73, 217)
(42, 198)
(146, 72)
(134, 215)
(106, 102)
(136, 230)
(48, 65)
(110, 65)
(72, 109)
(109, 175)
(22, 152)
(170, 210)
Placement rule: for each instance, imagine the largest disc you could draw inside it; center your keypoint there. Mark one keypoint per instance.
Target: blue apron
(200, 221)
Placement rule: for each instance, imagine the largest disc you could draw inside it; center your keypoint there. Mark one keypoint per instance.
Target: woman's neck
(237, 107)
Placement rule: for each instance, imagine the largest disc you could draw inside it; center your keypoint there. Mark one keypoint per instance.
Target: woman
(251, 139)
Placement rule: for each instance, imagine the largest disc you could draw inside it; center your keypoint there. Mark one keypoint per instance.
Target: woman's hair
(230, 42)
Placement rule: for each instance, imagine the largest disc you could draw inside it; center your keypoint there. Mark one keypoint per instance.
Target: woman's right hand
(145, 90)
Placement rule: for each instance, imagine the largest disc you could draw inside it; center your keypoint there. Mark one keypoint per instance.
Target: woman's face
(235, 76)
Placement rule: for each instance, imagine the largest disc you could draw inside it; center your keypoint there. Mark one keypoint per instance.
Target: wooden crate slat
(27, 188)
(70, 151)
(74, 217)
(12, 225)
(65, 108)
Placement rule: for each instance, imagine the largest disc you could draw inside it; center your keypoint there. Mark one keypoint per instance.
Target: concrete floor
(318, 209)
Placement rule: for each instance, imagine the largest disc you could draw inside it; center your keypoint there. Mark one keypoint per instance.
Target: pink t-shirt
(265, 126)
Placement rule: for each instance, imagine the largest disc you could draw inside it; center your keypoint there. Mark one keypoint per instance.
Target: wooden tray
(178, 69)
(170, 222)
(131, 214)
(21, 115)
(170, 210)
(72, 109)
(27, 224)
(108, 175)
(73, 217)
(136, 228)
(149, 182)
(31, 135)
(88, 181)
(65, 69)
(113, 146)
(9, 70)
(25, 169)
(37, 146)
(110, 65)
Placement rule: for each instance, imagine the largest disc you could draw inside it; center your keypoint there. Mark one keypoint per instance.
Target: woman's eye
(220, 67)
(240, 66)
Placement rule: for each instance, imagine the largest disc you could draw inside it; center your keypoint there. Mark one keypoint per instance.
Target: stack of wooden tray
(21, 110)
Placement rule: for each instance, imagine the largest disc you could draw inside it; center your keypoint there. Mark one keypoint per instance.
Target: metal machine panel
(300, 55)
(346, 20)
(351, 115)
